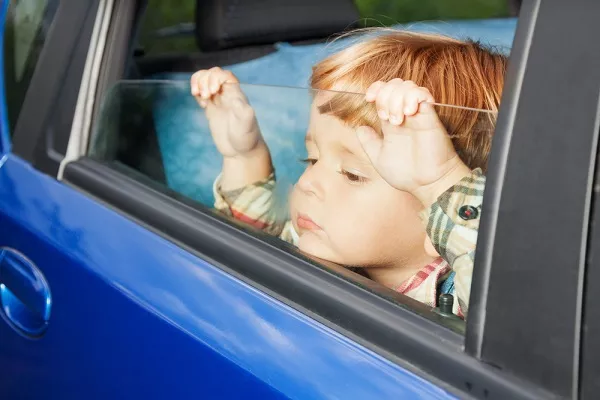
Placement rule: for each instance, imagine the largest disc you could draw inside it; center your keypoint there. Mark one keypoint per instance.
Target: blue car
(117, 280)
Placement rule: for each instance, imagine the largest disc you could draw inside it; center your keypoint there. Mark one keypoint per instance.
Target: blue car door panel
(94, 305)
(135, 315)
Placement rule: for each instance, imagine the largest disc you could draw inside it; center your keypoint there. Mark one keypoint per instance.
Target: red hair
(461, 73)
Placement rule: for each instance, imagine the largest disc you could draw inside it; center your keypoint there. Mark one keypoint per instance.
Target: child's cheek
(353, 234)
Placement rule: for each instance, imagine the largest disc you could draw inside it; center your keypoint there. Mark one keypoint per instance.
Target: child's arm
(253, 204)
(452, 223)
(245, 188)
(415, 154)
(233, 125)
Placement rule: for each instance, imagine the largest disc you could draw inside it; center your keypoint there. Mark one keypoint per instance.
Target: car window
(315, 212)
(150, 127)
(28, 23)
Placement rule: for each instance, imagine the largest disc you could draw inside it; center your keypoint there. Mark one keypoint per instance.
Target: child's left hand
(415, 153)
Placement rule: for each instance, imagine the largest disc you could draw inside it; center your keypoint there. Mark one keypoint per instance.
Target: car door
(96, 305)
(113, 287)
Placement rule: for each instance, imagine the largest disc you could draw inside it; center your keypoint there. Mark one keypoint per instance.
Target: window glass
(343, 206)
(313, 184)
(27, 25)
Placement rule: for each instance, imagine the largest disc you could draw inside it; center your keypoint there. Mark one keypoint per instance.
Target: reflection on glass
(297, 164)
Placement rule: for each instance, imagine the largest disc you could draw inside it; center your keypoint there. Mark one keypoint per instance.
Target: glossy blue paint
(4, 129)
(134, 315)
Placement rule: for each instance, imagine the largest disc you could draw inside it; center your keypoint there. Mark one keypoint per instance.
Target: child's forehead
(324, 127)
(341, 139)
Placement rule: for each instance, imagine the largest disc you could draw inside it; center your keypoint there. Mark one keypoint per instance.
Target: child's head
(361, 219)
(455, 72)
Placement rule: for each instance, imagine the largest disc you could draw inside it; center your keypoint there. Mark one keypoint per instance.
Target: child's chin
(312, 244)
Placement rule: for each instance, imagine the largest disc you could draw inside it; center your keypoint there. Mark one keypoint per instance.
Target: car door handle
(24, 294)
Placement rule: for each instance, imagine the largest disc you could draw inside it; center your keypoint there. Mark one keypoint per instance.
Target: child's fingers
(398, 101)
(411, 105)
(203, 85)
(407, 106)
(373, 90)
(405, 101)
(195, 82)
(415, 98)
(216, 77)
(396, 107)
(383, 97)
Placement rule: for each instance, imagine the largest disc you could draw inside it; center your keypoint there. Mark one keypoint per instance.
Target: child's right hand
(234, 128)
(231, 119)
(414, 152)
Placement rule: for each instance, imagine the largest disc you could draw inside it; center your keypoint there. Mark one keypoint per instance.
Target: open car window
(182, 159)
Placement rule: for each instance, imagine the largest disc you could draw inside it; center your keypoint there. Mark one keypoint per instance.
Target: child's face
(344, 211)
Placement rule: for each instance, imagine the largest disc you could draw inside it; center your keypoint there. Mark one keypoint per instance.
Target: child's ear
(429, 248)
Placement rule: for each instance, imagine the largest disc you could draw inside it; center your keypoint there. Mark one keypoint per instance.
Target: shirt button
(468, 212)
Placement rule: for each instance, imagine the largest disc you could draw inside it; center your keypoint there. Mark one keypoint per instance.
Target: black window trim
(406, 338)
(121, 37)
(44, 124)
(526, 302)
(589, 385)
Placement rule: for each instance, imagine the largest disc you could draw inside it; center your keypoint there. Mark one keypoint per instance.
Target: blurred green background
(161, 13)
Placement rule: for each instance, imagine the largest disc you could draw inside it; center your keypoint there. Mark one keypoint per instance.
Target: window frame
(512, 331)
(590, 341)
(44, 124)
(28, 69)
(408, 337)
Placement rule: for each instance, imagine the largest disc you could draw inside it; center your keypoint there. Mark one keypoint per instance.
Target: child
(395, 189)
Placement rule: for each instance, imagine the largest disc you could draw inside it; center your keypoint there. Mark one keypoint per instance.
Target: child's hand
(231, 119)
(415, 153)
(234, 128)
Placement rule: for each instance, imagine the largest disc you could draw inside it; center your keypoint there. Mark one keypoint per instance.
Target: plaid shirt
(453, 235)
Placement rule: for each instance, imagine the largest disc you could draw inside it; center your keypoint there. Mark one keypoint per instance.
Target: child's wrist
(247, 168)
(429, 194)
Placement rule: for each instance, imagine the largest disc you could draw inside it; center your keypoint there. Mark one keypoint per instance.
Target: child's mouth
(304, 222)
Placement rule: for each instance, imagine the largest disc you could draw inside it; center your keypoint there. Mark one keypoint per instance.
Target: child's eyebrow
(360, 158)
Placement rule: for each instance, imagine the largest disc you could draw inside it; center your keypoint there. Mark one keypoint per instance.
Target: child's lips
(304, 222)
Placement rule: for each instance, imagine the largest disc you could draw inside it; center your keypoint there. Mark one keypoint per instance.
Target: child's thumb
(370, 142)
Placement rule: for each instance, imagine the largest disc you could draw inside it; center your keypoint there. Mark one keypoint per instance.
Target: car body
(113, 287)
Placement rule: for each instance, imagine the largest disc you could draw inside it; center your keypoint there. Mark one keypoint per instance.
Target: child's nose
(311, 181)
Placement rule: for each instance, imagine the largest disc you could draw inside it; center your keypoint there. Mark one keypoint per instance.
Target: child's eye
(311, 161)
(353, 178)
